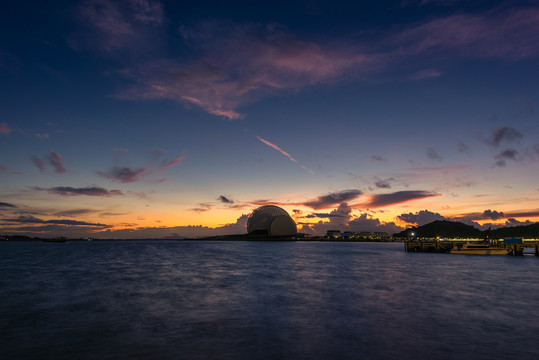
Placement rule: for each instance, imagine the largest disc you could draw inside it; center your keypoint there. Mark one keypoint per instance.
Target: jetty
(514, 246)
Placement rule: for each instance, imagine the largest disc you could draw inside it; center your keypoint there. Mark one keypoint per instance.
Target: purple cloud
(523, 213)
(499, 34)
(241, 63)
(383, 184)
(34, 220)
(87, 191)
(440, 169)
(56, 160)
(4, 204)
(148, 12)
(113, 27)
(525, 103)
(399, 197)
(504, 134)
(225, 200)
(322, 215)
(168, 164)
(507, 154)
(426, 74)
(5, 129)
(378, 158)
(464, 148)
(203, 207)
(332, 199)
(124, 175)
(38, 163)
(433, 155)
(75, 212)
(439, 2)
(112, 31)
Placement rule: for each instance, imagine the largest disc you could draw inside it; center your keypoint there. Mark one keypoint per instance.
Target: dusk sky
(147, 119)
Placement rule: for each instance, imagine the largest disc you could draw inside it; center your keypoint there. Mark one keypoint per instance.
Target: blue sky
(146, 118)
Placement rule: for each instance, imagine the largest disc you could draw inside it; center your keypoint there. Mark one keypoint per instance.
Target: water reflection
(248, 300)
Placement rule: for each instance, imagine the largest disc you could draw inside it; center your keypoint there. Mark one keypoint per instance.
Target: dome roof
(271, 220)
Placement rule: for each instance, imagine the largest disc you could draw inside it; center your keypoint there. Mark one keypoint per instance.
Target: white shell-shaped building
(271, 220)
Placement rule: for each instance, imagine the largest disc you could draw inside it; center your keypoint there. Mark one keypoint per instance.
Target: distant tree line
(455, 229)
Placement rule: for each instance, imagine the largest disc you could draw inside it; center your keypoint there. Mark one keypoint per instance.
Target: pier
(435, 246)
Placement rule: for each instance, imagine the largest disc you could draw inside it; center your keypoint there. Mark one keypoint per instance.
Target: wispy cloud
(56, 161)
(426, 74)
(38, 163)
(278, 149)
(157, 165)
(34, 220)
(378, 158)
(439, 169)
(273, 146)
(241, 63)
(124, 175)
(496, 34)
(5, 129)
(526, 104)
(237, 64)
(75, 212)
(505, 134)
(86, 191)
(504, 155)
(168, 164)
(523, 213)
(114, 27)
(148, 11)
(112, 30)
(464, 148)
(202, 207)
(433, 155)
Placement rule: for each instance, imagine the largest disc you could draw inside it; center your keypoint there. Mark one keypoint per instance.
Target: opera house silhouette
(271, 220)
(268, 222)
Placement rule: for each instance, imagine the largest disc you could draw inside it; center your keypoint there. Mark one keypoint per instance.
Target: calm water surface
(249, 300)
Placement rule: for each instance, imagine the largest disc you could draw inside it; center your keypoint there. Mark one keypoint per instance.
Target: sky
(152, 119)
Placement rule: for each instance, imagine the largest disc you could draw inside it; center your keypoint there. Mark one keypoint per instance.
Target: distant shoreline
(214, 238)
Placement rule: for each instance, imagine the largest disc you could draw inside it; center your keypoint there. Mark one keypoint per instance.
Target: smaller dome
(282, 225)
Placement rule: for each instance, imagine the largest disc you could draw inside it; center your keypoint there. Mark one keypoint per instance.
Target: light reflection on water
(249, 300)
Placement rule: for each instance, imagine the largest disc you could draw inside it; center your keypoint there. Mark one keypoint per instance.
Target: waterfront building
(333, 233)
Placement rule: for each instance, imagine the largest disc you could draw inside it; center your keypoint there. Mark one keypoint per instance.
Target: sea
(263, 300)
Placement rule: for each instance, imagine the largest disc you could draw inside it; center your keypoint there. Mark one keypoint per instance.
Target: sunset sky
(147, 119)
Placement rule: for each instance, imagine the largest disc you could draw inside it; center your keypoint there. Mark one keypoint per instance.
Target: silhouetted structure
(271, 220)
